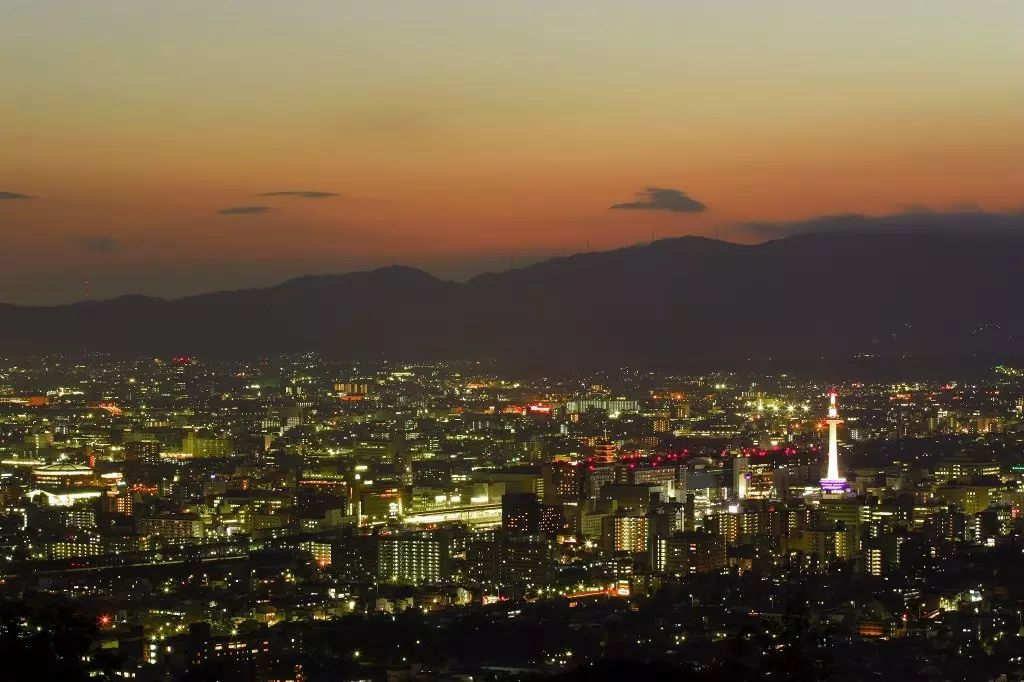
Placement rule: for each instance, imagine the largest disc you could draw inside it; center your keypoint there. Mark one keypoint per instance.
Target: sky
(170, 148)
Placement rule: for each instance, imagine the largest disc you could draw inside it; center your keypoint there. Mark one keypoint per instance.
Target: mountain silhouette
(686, 302)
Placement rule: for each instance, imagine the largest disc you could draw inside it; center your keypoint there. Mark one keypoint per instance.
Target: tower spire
(833, 482)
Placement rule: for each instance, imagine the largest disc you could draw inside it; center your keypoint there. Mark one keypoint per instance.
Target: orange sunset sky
(145, 146)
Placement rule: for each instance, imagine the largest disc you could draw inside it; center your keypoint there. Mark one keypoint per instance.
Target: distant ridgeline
(684, 302)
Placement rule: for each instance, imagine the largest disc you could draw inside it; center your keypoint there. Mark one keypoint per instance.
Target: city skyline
(462, 341)
(305, 518)
(175, 150)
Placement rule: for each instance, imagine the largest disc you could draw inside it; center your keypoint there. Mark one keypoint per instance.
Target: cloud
(244, 210)
(11, 196)
(98, 243)
(304, 194)
(664, 199)
(908, 222)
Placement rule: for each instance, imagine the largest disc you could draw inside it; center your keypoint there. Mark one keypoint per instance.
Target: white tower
(832, 481)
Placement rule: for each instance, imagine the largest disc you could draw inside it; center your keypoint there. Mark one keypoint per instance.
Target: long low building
(64, 497)
(476, 515)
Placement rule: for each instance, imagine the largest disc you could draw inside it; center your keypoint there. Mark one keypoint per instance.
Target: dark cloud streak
(663, 199)
(13, 196)
(244, 210)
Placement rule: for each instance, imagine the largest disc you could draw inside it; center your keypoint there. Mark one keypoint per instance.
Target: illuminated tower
(832, 482)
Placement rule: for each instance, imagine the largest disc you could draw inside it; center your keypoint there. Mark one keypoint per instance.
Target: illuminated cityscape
(561, 341)
(305, 518)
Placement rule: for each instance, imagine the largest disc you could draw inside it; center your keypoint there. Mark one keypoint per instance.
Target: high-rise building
(596, 477)
(524, 513)
(120, 502)
(415, 558)
(727, 524)
(144, 451)
(515, 480)
(691, 552)
(740, 476)
(204, 447)
(80, 517)
(506, 560)
(882, 554)
(635, 498)
(626, 534)
(354, 558)
(520, 512)
(667, 475)
(428, 472)
(563, 483)
(320, 550)
(823, 546)
(173, 526)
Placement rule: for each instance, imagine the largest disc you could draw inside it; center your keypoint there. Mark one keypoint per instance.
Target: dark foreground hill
(679, 302)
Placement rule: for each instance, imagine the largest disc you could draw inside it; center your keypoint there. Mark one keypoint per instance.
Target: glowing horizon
(166, 147)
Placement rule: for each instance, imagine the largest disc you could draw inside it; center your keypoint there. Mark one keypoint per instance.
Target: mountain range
(684, 302)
